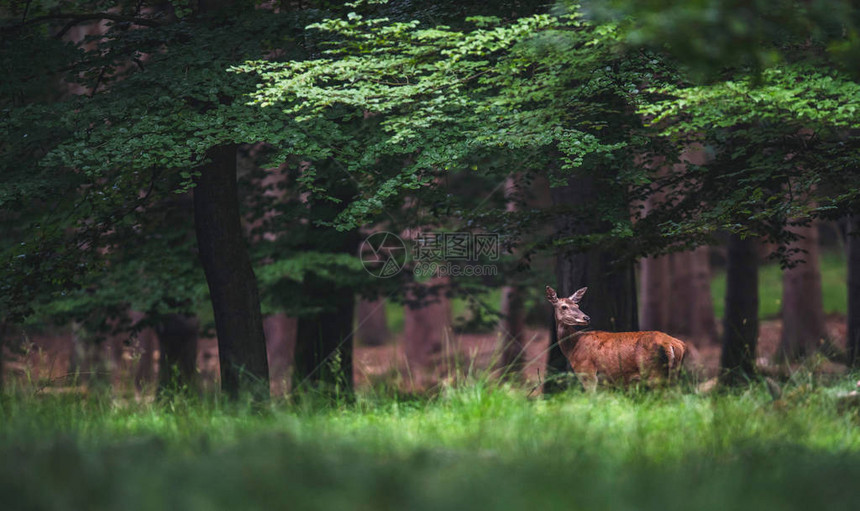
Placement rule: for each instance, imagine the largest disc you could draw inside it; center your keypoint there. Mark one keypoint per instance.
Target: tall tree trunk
(802, 307)
(611, 297)
(740, 325)
(676, 288)
(512, 359)
(325, 340)
(692, 311)
(232, 284)
(655, 281)
(372, 329)
(324, 344)
(280, 345)
(425, 331)
(513, 352)
(853, 246)
(3, 330)
(144, 373)
(177, 360)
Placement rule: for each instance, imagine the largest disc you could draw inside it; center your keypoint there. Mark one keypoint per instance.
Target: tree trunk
(740, 325)
(372, 329)
(802, 307)
(324, 340)
(611, 297)
(177, 360)
(144, 373)
(692, 311)
(232, 284)
(655, 281)
(512, 357)
(513, 353)
(324, 344)
(853, 246)
(280, 345)
(3, 330)
(676, 288)
(425, 330)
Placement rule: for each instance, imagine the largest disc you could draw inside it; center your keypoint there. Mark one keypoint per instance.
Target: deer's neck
(568, 337)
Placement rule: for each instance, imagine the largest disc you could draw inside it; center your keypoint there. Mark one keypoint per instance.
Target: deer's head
(567, 309)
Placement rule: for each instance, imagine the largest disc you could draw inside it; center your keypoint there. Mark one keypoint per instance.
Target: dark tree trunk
(853, 246)
(144, 373)
(88, 362)
(177, 360)
(802, 307)
(232, 284)
(513, 353)
(372, 329)
(3, 330)
(324, 343)
(611, 297)
(512, 359)
(325, 339)
(740, 325)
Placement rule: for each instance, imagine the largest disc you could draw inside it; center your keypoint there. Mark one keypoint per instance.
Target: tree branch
(75, 19)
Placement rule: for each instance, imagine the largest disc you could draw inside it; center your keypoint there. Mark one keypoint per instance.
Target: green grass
(833, 289)
(475, 447)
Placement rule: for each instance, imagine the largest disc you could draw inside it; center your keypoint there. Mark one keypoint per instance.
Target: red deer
(609, 357)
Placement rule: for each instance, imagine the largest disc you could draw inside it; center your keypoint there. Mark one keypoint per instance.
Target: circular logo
(383, 254)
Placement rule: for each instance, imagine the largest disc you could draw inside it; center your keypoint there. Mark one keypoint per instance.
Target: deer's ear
(550, 295)
(576, 297)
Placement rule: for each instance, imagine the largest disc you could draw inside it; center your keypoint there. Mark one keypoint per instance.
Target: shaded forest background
(187, 186)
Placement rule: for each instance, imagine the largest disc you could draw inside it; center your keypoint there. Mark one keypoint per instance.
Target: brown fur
(618, 358)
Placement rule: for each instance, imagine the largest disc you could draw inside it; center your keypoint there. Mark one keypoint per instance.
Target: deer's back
(627, 356)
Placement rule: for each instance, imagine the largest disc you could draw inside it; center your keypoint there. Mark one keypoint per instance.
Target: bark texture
(853, 246)
(802, 307)
(231, 280)
(513, 352)
(740, 325)
(177, 359)
(655, 281)
(512, 328)
(324, 341)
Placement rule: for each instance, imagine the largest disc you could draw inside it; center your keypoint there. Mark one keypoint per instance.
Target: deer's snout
(586, 318)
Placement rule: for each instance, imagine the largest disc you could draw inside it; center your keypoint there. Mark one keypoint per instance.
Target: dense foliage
(397, 116)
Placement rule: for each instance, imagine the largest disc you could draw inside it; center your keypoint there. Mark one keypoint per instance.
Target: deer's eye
(564, 307)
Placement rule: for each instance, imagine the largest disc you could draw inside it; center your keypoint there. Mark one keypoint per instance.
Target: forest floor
(46, 362)
(478, 352)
